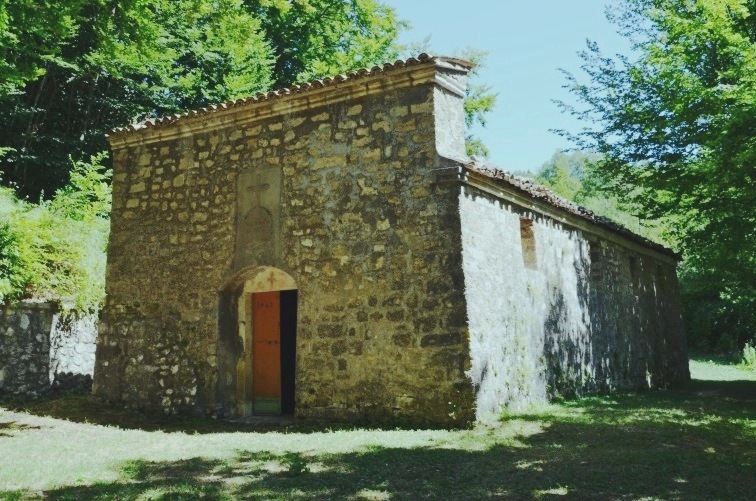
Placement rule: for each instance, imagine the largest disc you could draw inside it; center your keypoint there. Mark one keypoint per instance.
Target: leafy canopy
(55, 250)
(675, 122)
(571, 176)
(77, 68)
(71, 70)
(479, 101)
(316, 38)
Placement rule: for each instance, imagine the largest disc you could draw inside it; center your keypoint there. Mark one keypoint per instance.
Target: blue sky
(527, 42)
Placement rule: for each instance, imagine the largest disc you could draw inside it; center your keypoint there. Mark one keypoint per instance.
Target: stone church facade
(328, 251)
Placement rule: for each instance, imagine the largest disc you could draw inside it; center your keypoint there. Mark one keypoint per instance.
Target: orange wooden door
(266, 345)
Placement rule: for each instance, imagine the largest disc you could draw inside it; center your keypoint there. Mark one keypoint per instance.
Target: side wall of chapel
(558, 310)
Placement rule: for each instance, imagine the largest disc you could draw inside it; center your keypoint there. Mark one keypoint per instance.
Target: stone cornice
(424, 70)
(601, 228)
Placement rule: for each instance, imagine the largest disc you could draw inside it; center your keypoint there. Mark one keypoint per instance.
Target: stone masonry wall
(39, 345)
(565, 313)
(73, 342)
(25, 348)
(373, 246)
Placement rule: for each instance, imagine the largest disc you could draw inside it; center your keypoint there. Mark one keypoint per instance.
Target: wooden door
(266, 352)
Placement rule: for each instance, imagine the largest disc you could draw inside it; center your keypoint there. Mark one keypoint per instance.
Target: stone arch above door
(260, 279)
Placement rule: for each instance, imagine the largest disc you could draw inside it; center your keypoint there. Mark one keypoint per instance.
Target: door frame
(246, 283)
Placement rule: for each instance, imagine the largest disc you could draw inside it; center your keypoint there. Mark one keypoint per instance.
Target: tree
(571, 176)
(31, 33)
(676, 124)
(317, 38)
(118, 62)
(55, 250)
(479, 101)
(74, 69)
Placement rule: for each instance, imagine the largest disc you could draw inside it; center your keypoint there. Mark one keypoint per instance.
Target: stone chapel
(327, 251)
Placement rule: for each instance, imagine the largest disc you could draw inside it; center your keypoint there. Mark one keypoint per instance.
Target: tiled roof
(294, 89)
(479, 166)
(538, 192)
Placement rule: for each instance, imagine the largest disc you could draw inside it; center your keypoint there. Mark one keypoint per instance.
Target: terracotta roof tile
(539, 192)
(294, 89)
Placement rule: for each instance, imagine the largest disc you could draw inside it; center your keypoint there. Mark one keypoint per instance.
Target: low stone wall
(73, 341)
(39, 345)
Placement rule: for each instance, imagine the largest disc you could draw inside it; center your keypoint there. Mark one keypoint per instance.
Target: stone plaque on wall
(258, 235)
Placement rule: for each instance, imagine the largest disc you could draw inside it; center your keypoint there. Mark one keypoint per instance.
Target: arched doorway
(260, 364)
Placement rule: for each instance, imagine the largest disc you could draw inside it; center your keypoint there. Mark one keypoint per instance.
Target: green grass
(723, 368)
(693, 443)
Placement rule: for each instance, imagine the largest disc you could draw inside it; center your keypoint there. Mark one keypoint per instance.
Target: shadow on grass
(701, 401)
(7, 429)
(86, 408)
(692, 444)
(188, 479)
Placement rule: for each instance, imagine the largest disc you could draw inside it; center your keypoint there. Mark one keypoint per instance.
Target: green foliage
(479, 101)
(135, 469)
(571, 176)
(715, 320)
(87, 196)
(316, 38)
(31, 33)
(56, 250)
(295, 464)
(676, 125)
(12, 269)
(749, 356)
(217, 52)
(73, 70)
(118, 62)
(476, 146)
(15, 266)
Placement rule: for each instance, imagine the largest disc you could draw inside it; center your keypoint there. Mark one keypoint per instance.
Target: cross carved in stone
(257, 189)
(271, 279)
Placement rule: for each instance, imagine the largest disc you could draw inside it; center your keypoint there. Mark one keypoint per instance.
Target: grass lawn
(695, 443)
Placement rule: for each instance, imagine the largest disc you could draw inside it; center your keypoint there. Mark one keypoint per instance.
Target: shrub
(749, 356)
(55, 250)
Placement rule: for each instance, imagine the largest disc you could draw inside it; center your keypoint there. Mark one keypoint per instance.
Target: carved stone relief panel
(258, 212)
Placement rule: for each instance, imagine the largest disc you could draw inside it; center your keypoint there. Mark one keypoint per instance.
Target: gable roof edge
(525, 193)
(309, 94)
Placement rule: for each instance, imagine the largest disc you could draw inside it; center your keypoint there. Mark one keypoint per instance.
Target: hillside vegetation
(55, 249)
